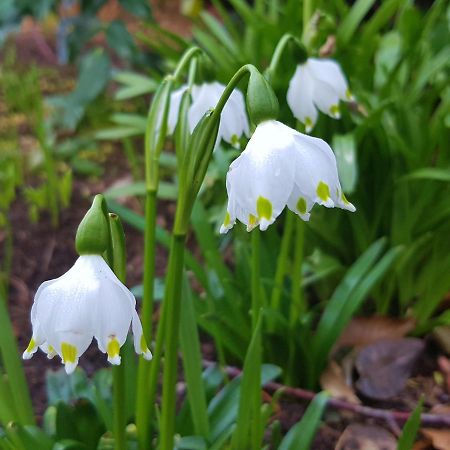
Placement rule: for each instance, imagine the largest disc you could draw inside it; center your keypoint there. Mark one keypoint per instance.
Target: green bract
(261, 100)
(93, 233)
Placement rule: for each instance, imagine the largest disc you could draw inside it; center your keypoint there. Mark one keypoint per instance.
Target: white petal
(234, 122)
(204, 98)
(300, 97)
(174, 108)
(329, 71)
(316, 177)
(140, 345)
(326, 99)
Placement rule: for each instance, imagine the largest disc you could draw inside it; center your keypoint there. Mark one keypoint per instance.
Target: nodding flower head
(234, 121)
(281, 167)
(317, 84)
(87, 301)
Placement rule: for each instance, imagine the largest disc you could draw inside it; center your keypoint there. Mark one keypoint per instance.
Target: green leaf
(251, 375)
(120, 40)
(134, 85)
(301, 435)
(192, 362)
(429, 173)
(352, 20)
(345, 149)
(410, 429)
(166, 191)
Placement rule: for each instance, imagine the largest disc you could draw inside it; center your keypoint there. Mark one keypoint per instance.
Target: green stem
(143, 403)
(130, 153)
(49, 164)
(256, 277)
(256, 311)
(308, 8)
(298, 307)
(118, 265)
(173, 305)
(282, 262)
(279, 51)
(13, 366)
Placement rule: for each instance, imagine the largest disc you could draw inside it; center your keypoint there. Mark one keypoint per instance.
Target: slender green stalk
(173, 307)
(256, 276)
(118, 265)
(256, 311)
(308, 9)
(298, 306)
(13, 366)
(143, 404)
(282, 261)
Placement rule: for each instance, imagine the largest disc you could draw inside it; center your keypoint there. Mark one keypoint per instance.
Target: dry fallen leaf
(332, 380)
(366, 437)
(439, 438)
(442, 337)
(362, 331)
(384, 367)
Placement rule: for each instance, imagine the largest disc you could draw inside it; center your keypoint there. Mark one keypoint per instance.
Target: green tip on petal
(69, 353)
(301, 205)
(309, 124)
(323, 191)
(335, 111)
(264, 208)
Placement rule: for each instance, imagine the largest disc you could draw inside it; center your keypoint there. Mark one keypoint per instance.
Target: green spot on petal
(335, 111)
(235, 140)
(113, 348)
(31, 346)
(309, 124)
(143, 345)
(323, 191)
(344, 199)
(69, 353)
(264, 208)
(227, 219)
(252, 221)
(301, 205)
(348, 94)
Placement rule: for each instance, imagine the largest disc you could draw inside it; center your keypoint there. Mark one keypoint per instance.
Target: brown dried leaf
(366, 437)
(384, 367)
(362, 331)
(332, 380)
(439, 438)
(423, 444)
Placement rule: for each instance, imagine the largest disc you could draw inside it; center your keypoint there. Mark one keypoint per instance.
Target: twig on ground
(400, 417)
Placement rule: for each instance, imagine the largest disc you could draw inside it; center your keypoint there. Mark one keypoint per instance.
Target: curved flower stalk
(234, 122)
(318, 84)
(87, 301)
(281, 167)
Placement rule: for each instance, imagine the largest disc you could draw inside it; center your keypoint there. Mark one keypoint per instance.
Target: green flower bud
(262, 102)
(92, 236)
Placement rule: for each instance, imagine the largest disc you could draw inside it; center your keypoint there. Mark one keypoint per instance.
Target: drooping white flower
(234, 121)
(281, 167)
(87, 301)
(317, 84)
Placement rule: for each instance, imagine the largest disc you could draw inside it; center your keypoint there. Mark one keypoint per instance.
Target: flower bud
(262, 102)
(93, 232)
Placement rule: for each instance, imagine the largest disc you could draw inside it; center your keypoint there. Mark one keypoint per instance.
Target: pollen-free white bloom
(281, 167)
(317, 84)
(234, 121)
(87, 301)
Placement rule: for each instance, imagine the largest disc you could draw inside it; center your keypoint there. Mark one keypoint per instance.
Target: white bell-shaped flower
(234, 121)
(317, 84)
(281, 167)
(87, 301)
